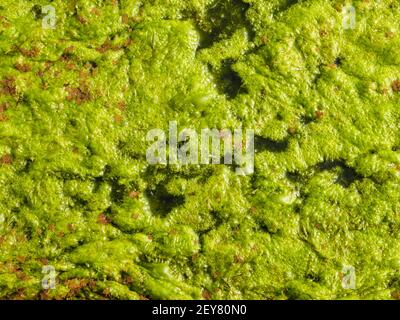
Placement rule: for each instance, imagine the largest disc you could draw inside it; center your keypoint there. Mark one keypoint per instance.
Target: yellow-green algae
(76, 190)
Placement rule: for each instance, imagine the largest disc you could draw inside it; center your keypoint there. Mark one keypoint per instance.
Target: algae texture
(78, 195)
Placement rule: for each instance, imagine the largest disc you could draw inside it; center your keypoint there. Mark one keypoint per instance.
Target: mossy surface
(77, 101)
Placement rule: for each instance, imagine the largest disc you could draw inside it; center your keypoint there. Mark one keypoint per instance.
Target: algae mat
(83, 215)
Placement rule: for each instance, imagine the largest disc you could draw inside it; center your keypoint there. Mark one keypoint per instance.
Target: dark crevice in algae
(37, 12)
(226, 17)
(347, 174)
(161, 202)
(230, 83)
(265, 144)
(287, 5)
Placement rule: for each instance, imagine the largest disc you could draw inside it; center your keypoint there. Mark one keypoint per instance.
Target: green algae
(77, 193)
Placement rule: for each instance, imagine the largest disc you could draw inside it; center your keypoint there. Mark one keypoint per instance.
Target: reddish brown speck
(118, 118)
(105, 47)
(102, 219)
(6, 159)
(125, 18)
(396, 86)
(395, 294)
(82, 20)
(206, 294)
(338, 7)
(22, 276)
(61, 234)
(3, 107)
(44, 295)
(390, 34)
(238, 259)
(4, 22)
(135, 216)
(323, 33)
(71, 66)
(32, 53)
(75, 150)
(264, 39)
(12, 267)
(23, 67)
(195, 257)
(96, 11)
(69, 50)
(9, 86)
(127, 280)
(134, 194)
(83, 74)
(92, 283)
(48, 64)
(21, 292)
(75, 285)
(173, 232)
(106, 292)
(79, 95)
(122, 105)
(319, 114)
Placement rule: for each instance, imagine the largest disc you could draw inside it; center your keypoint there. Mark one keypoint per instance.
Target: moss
(77, 101)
